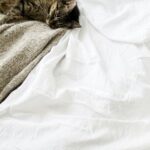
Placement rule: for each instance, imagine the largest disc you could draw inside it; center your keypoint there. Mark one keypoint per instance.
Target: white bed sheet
(92, 92)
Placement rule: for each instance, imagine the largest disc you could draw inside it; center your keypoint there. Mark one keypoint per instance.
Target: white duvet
(92, 92)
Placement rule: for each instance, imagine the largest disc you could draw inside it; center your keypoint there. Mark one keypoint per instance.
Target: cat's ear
(76, 24)
(72, 25)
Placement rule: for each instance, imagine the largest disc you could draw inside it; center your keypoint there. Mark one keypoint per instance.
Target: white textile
(92, 91)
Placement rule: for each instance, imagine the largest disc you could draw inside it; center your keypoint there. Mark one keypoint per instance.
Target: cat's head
(64, 15)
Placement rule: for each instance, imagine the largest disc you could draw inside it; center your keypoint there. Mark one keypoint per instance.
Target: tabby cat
(56, 13)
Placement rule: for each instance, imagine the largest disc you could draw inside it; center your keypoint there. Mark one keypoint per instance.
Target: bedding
(22, 46)
(92, 90)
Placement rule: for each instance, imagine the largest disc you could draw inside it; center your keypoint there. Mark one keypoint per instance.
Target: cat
(55, 13)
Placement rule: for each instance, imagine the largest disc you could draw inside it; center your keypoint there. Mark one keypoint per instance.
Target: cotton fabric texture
(92, 91)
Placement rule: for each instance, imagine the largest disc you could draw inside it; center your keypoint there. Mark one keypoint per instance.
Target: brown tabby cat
(56, 13)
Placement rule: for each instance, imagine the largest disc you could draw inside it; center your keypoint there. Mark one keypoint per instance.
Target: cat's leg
(52, 13)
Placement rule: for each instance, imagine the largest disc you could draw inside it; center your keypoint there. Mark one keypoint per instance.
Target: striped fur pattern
(56, 13)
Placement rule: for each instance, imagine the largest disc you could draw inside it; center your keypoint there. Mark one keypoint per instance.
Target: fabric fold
(22, 46)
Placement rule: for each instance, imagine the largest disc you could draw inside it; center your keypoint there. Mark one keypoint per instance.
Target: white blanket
(92, 91)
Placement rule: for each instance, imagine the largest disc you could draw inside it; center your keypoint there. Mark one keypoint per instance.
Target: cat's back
(6, 5)
(37, 9)
(40, 2)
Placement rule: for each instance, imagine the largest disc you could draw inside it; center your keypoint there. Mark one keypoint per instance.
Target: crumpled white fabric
(92, 92)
